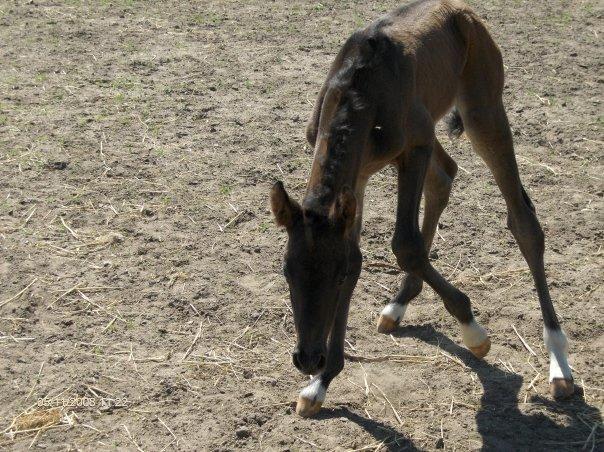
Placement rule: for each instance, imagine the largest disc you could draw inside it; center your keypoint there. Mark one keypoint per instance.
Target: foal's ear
(285, 210)
(344, 209)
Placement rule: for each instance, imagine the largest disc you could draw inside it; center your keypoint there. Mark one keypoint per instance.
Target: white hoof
(560, 375)
(391, 317)
(475, 338)
(311, 398)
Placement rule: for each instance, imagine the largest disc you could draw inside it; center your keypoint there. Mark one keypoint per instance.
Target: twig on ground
(29, 217)
(307, 442)
(591, 435)
(222, 228)
(532, 383)
(530, 162)
(195, 339)
(168, 428)
(378, 264)
(132, 439)
(392, 358)
(14, 297)
(71, 231)
(398, 418)
(526, 345)
(454, 359)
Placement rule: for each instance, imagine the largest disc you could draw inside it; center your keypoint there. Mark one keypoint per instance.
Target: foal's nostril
(308, 363)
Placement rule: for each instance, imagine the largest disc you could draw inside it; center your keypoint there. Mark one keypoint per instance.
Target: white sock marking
(473, 334)
(557, 345)
(395, 311)
(315, 391)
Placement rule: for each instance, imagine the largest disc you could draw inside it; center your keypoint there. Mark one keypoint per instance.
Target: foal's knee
(411, 254)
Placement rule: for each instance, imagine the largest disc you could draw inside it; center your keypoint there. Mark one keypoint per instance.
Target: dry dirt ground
(139, 263)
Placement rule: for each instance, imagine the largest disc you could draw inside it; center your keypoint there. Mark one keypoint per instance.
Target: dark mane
(366, 52)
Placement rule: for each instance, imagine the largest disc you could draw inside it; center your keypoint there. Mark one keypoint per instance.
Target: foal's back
(433, 37)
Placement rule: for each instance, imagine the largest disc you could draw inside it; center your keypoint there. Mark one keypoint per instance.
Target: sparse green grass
(564, 18)
(124, 120)
(41, 77)
(207, 18)
(119, 97)
(130, 46)
(359, 21)
(124, 83)
(122, 3)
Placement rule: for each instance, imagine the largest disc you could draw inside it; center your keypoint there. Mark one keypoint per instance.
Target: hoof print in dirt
(242, 433)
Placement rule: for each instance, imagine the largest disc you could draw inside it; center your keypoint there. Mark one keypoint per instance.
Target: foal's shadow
(499, 420)
(392, 439)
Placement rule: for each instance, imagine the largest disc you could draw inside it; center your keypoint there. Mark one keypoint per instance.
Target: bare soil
(138, 142)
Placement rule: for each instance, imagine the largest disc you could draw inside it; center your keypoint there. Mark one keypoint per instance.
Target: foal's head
(322, 261)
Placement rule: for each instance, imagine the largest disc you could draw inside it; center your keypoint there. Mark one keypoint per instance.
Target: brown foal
(388, 86)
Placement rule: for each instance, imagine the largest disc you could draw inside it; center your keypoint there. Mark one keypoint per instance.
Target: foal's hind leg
(484, 117)
(437, 187)
(488, 129)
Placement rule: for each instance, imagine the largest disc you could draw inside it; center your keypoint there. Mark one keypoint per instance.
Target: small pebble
(242, 432)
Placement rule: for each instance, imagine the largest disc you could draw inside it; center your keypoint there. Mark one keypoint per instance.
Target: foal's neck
(337, 160)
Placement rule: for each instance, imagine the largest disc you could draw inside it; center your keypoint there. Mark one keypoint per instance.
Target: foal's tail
(454, 123)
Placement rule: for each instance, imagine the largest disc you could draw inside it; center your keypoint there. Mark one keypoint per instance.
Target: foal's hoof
(307, 407)
(561, 388)
(386, 325)
(481, 350)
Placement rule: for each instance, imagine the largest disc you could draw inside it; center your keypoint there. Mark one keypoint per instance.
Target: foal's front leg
(312, 396)
(411, 254)
(437, 187)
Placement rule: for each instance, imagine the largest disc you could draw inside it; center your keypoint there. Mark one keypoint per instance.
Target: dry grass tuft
(36, 419)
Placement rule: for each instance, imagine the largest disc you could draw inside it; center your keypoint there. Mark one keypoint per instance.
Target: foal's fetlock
(475, 338)
(391, 317)
(311, 398)
(560, 375)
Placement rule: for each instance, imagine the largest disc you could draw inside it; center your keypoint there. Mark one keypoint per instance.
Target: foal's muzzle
(308, 363)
